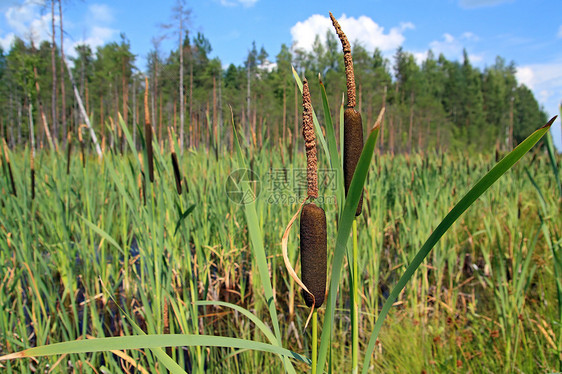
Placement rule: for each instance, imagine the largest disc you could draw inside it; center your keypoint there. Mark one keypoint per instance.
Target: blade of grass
(150, 341)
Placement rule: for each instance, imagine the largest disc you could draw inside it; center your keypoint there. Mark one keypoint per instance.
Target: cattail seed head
(175, 164)
(309, 142)
(348, 63)
(313, 237)
(353, 146)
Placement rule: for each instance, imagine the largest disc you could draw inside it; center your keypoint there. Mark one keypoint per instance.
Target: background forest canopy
(436, 104)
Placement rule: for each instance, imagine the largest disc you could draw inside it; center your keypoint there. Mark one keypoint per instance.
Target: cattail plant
(352, 148)
(9, 165)
(313, 232)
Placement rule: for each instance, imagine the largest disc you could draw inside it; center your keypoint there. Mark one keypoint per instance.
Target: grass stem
(314, 340)
(355, 307)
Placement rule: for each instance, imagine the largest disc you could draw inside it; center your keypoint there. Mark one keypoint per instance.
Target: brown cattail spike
(348, 63)
(32, 167)
(309, 142)
(313, 253)
(175, 164)
(352, 148)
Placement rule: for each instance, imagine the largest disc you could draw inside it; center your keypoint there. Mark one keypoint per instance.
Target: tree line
(437, 103)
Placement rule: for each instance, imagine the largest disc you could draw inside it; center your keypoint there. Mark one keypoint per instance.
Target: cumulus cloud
(30, 20)
(244, 3)
(100, 13)
(363, 30)
(545, 80)
(470, 4)
(27, 22)
(97, 37)
(452, 47)
(6, 41)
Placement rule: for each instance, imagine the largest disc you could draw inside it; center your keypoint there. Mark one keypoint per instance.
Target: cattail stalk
(7, 158)
(148, 134)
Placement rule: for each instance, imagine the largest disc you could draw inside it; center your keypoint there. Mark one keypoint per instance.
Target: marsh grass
(88, 258)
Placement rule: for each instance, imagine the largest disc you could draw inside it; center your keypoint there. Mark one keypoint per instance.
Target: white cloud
(97, 37)
(525, 76)
(100, 13)
(244, 3)
(363, 30)
(452, 47)
(28, 22)
(545, 80)
(6, 41)
(560, 32)
(470, 4)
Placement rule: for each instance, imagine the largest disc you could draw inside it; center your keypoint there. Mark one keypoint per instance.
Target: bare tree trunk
(215, 116)
(191, 116)
(391, 135)
(31, 131)
(284, 112)
(294, 141)
(220, 109)
(43, 116)
(182, 106)
(134, 111)
(83, 111)
(20, 109)
(510, 124)
(248, 98)
(382, 123)
(54, 72)
(62, 90)
(411, 123)
(160, 125)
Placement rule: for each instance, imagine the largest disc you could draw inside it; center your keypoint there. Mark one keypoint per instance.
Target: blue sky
(528, 32)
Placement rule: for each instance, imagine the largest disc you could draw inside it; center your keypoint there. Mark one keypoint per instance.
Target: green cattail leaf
(347, 217)
(149, 342)
(183, 216)
(475, 192)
